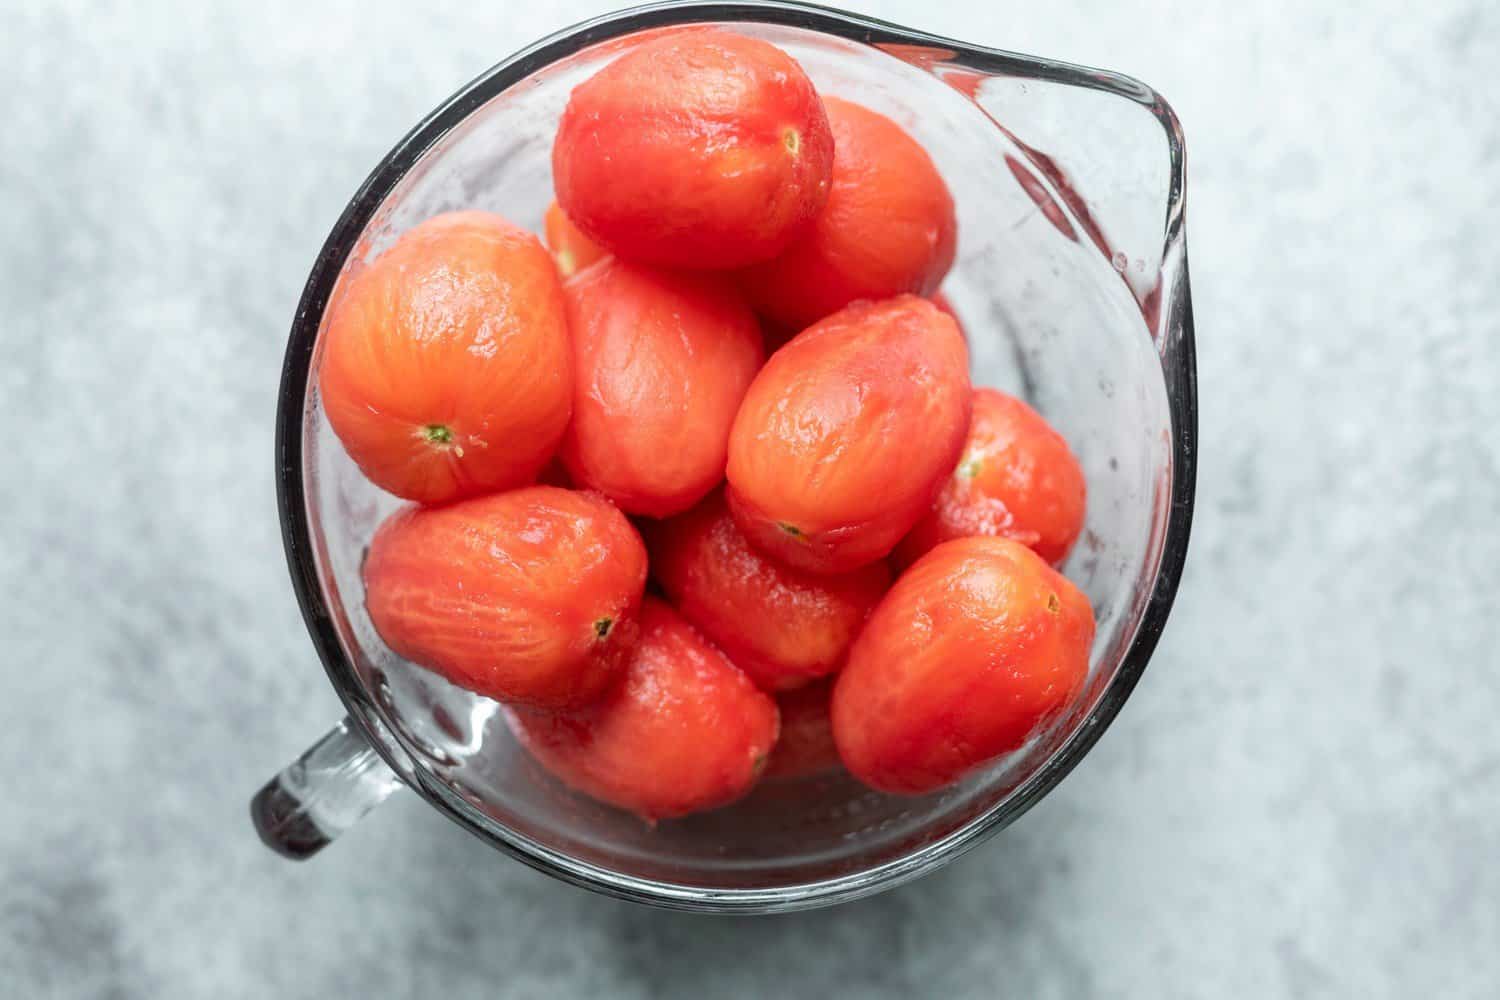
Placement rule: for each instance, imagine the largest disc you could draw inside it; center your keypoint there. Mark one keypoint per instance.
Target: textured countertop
(1302, 798)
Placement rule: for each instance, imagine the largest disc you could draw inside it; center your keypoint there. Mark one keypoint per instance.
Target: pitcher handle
(321, 794)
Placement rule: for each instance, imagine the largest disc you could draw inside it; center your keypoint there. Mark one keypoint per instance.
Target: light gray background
(1302, 799)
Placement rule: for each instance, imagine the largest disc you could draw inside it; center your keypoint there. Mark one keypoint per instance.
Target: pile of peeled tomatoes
(704, 494)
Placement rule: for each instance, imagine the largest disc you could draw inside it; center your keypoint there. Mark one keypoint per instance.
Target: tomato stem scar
(437, 434)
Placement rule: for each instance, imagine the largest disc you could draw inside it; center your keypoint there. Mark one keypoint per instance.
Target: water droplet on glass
(1121, 262)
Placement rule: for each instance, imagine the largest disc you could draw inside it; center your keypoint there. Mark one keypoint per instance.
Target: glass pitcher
(1072, 283)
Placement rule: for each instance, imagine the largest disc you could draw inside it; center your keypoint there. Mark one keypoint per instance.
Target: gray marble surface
(1302, 799)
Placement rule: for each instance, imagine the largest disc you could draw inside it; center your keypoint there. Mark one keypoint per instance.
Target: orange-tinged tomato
(446, 369)
(976, 646)
(663, 360)
(847, 433)
(888, 226)
(696, 150)
(684, 732)
(806, 745)
(1016, 479)
(528, 596)
(782, 626)
(570, 246)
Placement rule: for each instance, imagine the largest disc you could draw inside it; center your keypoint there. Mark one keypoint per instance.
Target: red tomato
(978, 645)
(806, 745)
(888, 226)
(446, 370)
(847, 433)
(695, 149)
(570, 246)
(1016, 479)
(528, 596)
(782, 626)
(663, 360)
(941, 301)
(686, 730)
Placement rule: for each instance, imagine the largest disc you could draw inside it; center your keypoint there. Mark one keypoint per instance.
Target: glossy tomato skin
(783, 626)
(888, 227)
(684, 731)
(663, 360)
(847, 433)
(806, 746)
(976, 646)
(1016, 479)
(529, 596)
(446, 370)
(696, 149)
(571, 247)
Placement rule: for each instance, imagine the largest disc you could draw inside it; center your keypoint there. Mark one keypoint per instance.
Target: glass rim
(1176, 349)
